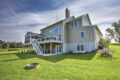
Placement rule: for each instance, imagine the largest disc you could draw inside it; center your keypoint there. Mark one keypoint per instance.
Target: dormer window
(74, 24)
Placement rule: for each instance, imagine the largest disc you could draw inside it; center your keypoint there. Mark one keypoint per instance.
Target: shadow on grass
(56, 58)
(106, 56)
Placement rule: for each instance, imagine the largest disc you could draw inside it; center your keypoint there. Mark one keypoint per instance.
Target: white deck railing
(49, 39)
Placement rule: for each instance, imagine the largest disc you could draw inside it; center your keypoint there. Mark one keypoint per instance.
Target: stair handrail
(36, 45)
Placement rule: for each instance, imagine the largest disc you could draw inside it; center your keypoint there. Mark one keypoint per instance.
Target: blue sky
(19, 16)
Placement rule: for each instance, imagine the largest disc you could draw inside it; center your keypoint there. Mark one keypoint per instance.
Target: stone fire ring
(32, 65)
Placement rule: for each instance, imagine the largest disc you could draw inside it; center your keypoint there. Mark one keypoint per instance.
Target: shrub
(104, 43)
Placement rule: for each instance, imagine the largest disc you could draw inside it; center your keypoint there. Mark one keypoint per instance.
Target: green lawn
(10, 49)
(92, 66)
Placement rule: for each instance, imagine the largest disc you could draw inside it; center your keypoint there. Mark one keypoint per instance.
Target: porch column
(44, 49)
(51, 48)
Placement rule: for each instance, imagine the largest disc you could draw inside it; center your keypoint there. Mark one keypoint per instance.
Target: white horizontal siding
(90, 46)
(85, 21)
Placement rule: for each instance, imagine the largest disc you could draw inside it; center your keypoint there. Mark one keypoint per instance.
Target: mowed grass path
(92, 66)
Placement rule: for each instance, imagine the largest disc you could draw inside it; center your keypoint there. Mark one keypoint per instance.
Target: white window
(60, 37)
(80, 48)
(82, 35)
(55, 30)
(60, 29)
(74, 24)
(43, 31)
(51, 31)
(55, 37)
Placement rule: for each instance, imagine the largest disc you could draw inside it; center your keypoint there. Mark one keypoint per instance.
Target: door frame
(57, 49)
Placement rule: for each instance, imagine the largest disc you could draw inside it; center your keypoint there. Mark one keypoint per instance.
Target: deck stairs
(36, 46)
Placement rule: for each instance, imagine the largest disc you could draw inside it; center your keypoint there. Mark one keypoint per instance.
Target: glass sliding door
(58, 49)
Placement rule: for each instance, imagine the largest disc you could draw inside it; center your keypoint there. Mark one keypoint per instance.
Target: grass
(92, 66)
(9, 49)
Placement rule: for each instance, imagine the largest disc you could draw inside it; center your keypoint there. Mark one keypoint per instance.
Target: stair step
(36, 46)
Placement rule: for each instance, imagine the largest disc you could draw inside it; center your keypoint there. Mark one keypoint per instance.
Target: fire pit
(32, 65)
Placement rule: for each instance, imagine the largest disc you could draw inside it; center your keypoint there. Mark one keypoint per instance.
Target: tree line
(5, 45)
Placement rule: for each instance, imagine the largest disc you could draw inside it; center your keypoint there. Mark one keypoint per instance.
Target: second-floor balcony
(49, 39)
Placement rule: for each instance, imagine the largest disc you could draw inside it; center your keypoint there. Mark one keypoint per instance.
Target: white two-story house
(76, 35)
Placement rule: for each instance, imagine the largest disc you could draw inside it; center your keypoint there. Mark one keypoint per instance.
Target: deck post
(51, 48)
(44, 49)
(29, 48)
